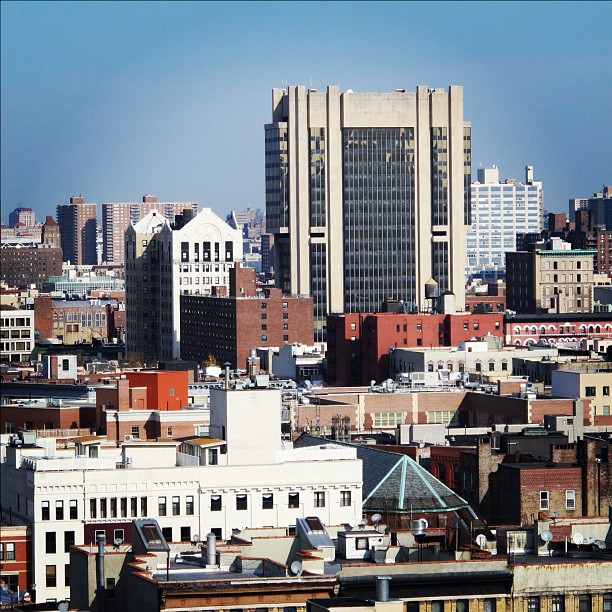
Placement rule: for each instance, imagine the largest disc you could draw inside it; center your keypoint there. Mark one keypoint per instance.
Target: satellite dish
(578, 538)
(196, 538)
(62, 607)
(591, 539)
(481, 540)
(353, 523)
(363, 522)
(376, 518)
(296, 568)
(547, 536)
(601, 545)
(118, 541)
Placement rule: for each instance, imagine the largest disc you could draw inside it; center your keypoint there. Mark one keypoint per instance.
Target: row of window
(570, 500)
(51, 541)
(267, 500)
(7, 551)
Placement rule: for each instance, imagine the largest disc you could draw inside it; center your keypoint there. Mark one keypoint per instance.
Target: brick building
(358, 344)
(77, 321)
(229, 326)
(60, 417)
(78, 224)
(15, 552)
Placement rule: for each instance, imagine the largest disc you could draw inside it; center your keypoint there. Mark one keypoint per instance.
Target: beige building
(556, 280)
(368, 195)
(592, 383)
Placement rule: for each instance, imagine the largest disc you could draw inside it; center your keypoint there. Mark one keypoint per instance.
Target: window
(462, 605)
(185, 534)
(92, 508)
(50, 576)
(111, 588)
(437, 606)
(50, 545)
(189, 505)
(504, 366)
(215, 503)
(67, 574)
(590, 391)
(267, 501)
(570, 499)
(491, 367)
(218, 531)
(361, 544)
(544, 500)
(46, 512)
(606, 391)
(294, 500)
(213, 456)
(466, 326)
(176, 505)
(68, 540)
(161, 506)
(241, 502)
(118, 534)
(10, 551)
(133, 506)
(135, 431)
(345, 498)
(167, 533)
(558, 603)
(113, 507)
(143, 506)
(74, 509)
(533, 604)
(123, 507)
(103, 507)
(100, 533)
(319, 499)
(584, 603)
(478, 366)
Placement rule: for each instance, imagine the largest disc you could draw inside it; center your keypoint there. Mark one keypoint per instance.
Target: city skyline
(115, 100)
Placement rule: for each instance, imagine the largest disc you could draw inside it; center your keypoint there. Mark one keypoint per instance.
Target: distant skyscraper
(500, 210)
(24, 216)
(601, 206)
(116, 218)
(77, 223)
(367, 195)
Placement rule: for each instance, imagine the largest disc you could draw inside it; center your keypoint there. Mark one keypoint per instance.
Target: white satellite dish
(481, 540)
(547, 536)
(578, 538)
(601, 545)
(196, 538)
(62, 607)
(591, 540)
(296, 568)
(363, 522)
(376, 518)
(118, 541)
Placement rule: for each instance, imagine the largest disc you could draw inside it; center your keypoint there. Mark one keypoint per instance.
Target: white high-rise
(500, 211)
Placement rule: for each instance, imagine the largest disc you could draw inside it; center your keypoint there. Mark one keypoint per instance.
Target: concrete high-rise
(368, 195)
(500, 211)
(77, 224)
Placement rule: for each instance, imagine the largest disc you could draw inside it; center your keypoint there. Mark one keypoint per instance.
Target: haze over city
(115, 100)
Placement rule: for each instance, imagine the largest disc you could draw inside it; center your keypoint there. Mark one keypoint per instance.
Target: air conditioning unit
(128, 438)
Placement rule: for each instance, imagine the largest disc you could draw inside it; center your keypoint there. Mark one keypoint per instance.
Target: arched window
(542, 329)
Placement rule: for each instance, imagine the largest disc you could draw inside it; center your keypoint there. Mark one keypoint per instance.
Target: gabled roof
(393, 482)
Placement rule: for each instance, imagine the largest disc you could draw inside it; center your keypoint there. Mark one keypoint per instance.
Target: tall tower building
(367, 195)
(500, 211)
(25, 216)
(77, 224)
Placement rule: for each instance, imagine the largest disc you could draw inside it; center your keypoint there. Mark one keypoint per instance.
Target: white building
(245, 476)
(17, 335)
(500, 210)
(196, 258)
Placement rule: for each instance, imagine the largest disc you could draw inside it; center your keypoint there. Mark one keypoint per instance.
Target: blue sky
(117, 99)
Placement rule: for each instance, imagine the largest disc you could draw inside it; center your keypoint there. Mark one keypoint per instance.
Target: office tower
(500, 211)
(23, 216)
(116, 217)
(576, 204)
(77, 223)
(601, 206)
(367, 195)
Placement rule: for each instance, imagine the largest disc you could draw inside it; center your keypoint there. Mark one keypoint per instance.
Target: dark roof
(395, 482)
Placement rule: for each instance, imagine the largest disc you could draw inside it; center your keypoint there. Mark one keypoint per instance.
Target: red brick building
(15, 553)
(358, 344)
(228, 327)
(41, 417)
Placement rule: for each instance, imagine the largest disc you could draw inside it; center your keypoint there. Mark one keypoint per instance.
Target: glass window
(50, 545)
(74, 509)
(50, 576)
(319, 499)
(570, 499)
(584, 603)
(215, 503)
(345, 498)
(189, 505)
(185, 534)
(161, 506)
(241, 502)
(533, 604)
(68, 540)
(267, 501)
(544, 499)
(294, 500)
(558, 603)
(176, 505)
(46, 513)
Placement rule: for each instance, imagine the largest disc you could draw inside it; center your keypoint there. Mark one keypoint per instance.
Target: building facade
(500, 210)
(17, 333)
(23, 216)
(367, 195)
(78, 225)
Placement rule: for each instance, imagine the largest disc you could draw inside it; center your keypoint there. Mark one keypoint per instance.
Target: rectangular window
(176, 505)
(215, 503)
(50, 576)
(111, 588)
(345, 498)
(135, 431)
(533, 604)
(267, 501)
(161, 506)
(59, 510)
(294, 500)
(570, 499)
(213, 456)
(590, 391)
(558, 603)
(10, 551)
(361, 543)
(606, 391)
(124, 507)
(50, 545)
(118, 536)
(134, 506)
(143, 506)
(185, 534)
(74, 509)
(218, 531)
(167, 533)
(584, 603)
(319, 499)
(544, 500)
(113, 507)
(46, 512)
(241, 502)
(93, 508)
(68, 540)
(103, 507)
(189, 505)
